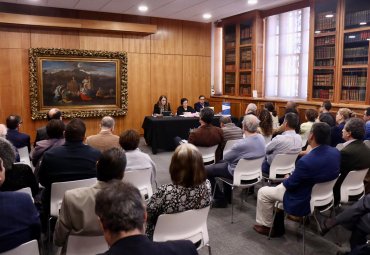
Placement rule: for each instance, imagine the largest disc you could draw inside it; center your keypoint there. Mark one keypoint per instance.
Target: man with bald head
(53, 114)
(250, 147)
(105, 139)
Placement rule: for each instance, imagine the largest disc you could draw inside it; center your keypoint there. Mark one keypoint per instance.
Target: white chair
(353, 185)
(281, 165)
(228, 146)
(189, 225)
(247, 173)
(339, 146)
(86, 245)
(26, 190)
(141, 178)
(208, 154)
(24, 156)
(29, 248)
(367, 143)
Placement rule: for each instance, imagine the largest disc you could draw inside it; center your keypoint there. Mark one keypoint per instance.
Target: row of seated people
(163, 105)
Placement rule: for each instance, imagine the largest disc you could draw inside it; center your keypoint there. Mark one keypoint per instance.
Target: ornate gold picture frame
(81, 83)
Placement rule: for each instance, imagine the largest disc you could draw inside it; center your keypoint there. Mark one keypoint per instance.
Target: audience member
(161, 105)
(290, 107)
(230, 131)
(251, 109)
(20, 221)
(18, 176)
(53, 114)
(311, 116)
(275, 119)
(71, 161)
(77, 211)
(251, 147)
(184, 107)
(367, 123)
(189, 188)
(122, 216)
(136, 159)
(354, 156)
(201, 104)
(55, 133)
(342, 116)
(266, 126)
(18, 139)
(325, 113)
(105, 139)
(320, 165)
(3, 131)
(289, 142)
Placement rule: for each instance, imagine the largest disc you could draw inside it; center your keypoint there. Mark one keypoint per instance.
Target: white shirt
(288, 142)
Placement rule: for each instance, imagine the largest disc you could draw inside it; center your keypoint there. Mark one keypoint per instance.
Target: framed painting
(81, 83)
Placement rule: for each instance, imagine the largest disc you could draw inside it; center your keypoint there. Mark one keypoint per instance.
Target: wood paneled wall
(175, 61)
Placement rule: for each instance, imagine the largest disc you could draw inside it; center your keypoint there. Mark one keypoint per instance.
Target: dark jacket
(336, 134)
(198, 106)
(157, 110)
(41, 135)
(206, 136)
(181, 110)
(18, 139)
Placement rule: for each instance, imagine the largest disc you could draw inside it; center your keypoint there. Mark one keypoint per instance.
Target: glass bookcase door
(357, 14)
(245, 33)
(230, 60)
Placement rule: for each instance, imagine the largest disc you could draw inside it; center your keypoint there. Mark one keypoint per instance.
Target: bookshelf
(230, 59)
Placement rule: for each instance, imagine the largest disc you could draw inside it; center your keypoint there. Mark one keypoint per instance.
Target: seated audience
(136, 159)
(355, 155)
(3, 131)
(275, 119)
(230, 131)
(161, 105)
(311, 116)
(201, 104)
(20, 221)
(367, 124)
(18, 139)
(55, 133)
(251, 147)
(77, 211)
(320, 165)
(184, 107)
(105, 139)
(69, 162)
(251, 109)
(290, 107)
(124, 232)
(189, 188)
(342, 116)
(289, 142)
(266, 126)
(325, 113)
(53, 114)
(18, 176)
(357, 220)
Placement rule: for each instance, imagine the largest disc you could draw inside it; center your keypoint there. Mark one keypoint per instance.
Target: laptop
(166, 113)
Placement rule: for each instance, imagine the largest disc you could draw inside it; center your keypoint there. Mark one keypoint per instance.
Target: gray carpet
(240, 238)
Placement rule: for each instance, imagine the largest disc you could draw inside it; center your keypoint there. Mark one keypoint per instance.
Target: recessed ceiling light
(143, 8)
(362, 23)
(252, 1)
(329, 15)
(207, 16)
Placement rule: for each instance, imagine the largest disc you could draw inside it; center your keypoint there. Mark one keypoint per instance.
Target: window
(286, 63)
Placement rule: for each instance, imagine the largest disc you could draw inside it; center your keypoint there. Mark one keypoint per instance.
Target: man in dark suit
(201, 104)
(18, 139)
(355, 155)
(71, 161)
(20, 221)
(41, 134)
(124, 232)
(320, 165)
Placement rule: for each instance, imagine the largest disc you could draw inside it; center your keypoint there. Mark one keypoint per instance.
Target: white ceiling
(172, 9)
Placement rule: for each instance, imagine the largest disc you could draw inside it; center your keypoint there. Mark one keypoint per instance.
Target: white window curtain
(286, 63)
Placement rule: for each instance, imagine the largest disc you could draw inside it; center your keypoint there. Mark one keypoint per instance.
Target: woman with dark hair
(162, 105)
(342, 116)
(189, 189)
(184, 107)
(275, 118)
(265, 126)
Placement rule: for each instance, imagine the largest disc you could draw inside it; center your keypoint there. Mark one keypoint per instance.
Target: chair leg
(214, 192)
(209, 249)
(272, 226)
(303, 236)
(232, 205)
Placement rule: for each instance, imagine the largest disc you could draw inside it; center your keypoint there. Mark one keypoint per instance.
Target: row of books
(229, 37)
(323, 23)
(355, 61)
(246, 32)
(245, 65)
(229, 89)
(354, 18)
(323, 93)
(246, 55)
(245, 78)
(230, 67)
(325, 52)
(229, 79)
(244, 91)
(327, 40)
(245, 41)
(357, 37)
(356, 52)
(323, 79)
(230, 57)
(229, 44)
(354, 95)
(325, 62)
(354, 81)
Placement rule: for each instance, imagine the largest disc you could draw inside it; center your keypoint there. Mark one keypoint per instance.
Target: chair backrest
(86, 245)
(29, 248)
(339, 146)
(367, 143)
(26, 190)
(248, 169)
(141, 178)
(353, 184)
(189, 225)
(228, 145)
(322, 195)
(208, 153)
(24, 156)
(59, 188)
(282, 164)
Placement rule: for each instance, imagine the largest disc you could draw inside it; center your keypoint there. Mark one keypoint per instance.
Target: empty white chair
(26, 190)
(353, 185)
(141, 179)
(229, 144)
(24, 156)
(208, 154)
(86, 245)
(189, 225)
(367, 143)
(29, 248)
(339, 146)
(281, 165)
(247, 173)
